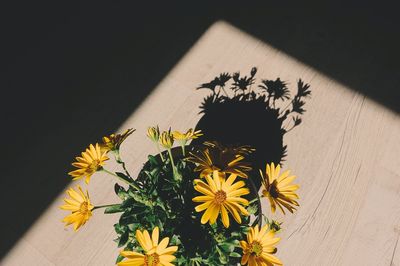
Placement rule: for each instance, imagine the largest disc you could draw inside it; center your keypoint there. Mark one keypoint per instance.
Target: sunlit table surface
(346, 154)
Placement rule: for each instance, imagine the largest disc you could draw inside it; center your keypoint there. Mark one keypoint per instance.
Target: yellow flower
(278, 188)
(91, 161)
(190, 134)
(79, 205)
(226, 160)
(156, 254)
(153, 133)
(166, 139)
(221, 196)
(259, 247)
(114, 141)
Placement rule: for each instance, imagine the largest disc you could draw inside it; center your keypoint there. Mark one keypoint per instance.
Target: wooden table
(346, 154)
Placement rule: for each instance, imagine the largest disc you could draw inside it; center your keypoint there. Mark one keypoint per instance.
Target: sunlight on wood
(346, 154)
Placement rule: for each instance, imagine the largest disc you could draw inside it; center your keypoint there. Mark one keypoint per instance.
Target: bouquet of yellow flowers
(191, 203)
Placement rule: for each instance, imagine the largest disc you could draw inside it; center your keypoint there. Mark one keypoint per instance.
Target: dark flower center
(255, 248)
(84, 207)
(220, 197)
(273, 190)
(94, 165)
(151, 260)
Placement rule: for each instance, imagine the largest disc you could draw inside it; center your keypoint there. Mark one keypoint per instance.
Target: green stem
(111, 173)
(104, 206)
(119, 160)
(172, 162)
(259, 202)
(183, 144)
(183, 150)
(120, 178)
(159, 151)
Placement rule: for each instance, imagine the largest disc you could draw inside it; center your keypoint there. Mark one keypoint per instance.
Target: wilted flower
(114, 141)
(190, 134)
(227, 159)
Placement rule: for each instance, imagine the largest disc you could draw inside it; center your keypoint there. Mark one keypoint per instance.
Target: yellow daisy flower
(79, 205)
(156, 254)
(91, 161)
(226, 160)
(183, 138)
(167, 139)
(221, 196)
(278, 188)
(259, 247)
(190, 134)
(114, 141)
(153, 133)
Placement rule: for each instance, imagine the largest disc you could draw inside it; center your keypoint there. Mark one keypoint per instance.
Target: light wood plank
(346, 155)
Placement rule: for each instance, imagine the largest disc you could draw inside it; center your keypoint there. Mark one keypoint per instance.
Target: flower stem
(172, 163)
(171, 158)
(110, 173)
(104, 206)
(183, 144)
(159, 151)
(120, 161)
(120, 178)
(259, 202)
(183, 150)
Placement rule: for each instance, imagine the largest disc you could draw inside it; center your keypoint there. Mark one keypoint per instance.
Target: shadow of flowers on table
(239, 112)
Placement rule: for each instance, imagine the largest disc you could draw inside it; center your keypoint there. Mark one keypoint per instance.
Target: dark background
(72, 72)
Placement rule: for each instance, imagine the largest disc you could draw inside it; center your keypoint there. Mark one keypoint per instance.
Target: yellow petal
(207, 214)
(163, 245)
(271, 258)
(132, 262)
(169, 250)
(217, 180)
(202, 198)
(203, 206)
(277, 170)
(224, 216)
(142, 241)
(238, 192)
(166, 258)
(131, 254)
(214, 213)
(234, 212)
(155, 235)
(211, 183)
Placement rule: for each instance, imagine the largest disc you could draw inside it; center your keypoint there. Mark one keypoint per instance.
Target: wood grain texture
(346, 155)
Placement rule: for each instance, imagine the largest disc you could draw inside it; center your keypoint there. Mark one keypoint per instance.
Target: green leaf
(222, 257)
(119, 229)
(128, 203)
(120, 191)
(123, 239)
(114, 209)
(227, 247)
(124, 177)
(152, 160)
(235, 255)
(119, 258)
